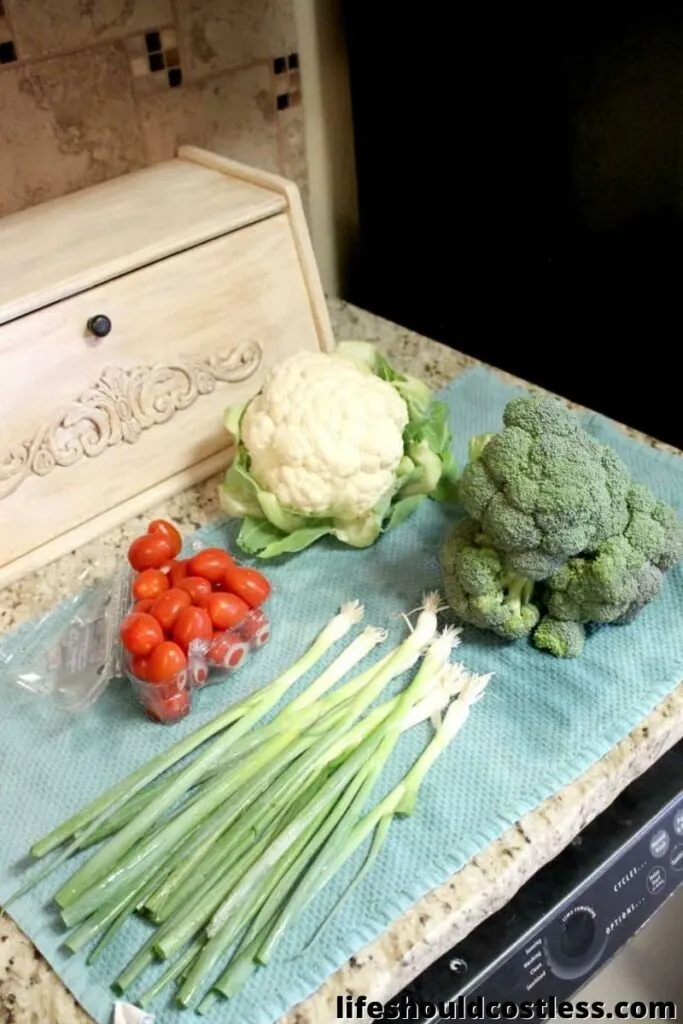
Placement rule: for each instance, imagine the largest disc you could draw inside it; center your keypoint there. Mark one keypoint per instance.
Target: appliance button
(678, 822)
(676, 859)
(656, 880)
(457, 965)
(659, 843)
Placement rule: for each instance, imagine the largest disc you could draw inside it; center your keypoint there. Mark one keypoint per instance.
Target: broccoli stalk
(480, 590)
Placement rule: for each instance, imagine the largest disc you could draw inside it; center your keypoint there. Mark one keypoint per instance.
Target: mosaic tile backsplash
(91, 89)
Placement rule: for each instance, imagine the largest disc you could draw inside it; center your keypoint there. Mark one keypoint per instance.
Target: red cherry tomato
(254, 622)
(248, 584)
(260, 637)
(176, 570)
(166, 663)
(140, 667)
(168, 607)
(150, 584)
(197, 587)
(211, 563)
(192, 624)
(140, 633)
(198, 669)
(143, 606)
(220, 646)
(149, 552)
(167, 709)
(236, 655)
(162, 528)
(227, 650)
(225, 610)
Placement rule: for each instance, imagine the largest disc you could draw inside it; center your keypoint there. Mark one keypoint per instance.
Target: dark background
(520, 184)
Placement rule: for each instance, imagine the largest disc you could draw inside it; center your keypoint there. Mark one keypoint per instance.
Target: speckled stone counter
(29, 991)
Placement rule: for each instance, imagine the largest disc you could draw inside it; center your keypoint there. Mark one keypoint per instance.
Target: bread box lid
(64, 246)
(203, 274)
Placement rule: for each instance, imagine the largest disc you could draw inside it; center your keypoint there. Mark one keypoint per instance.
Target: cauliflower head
(325, 438)
(339, 445)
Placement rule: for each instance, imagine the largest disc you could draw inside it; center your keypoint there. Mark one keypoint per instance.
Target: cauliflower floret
(324, 437)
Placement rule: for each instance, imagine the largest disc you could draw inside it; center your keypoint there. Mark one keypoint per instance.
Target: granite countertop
(30, 993)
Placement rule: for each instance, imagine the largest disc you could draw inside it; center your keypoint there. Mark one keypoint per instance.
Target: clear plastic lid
(70, 653)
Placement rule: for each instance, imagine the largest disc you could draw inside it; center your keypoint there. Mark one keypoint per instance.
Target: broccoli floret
(543, 489)
(563, 639)
(480, 590)
(614, 583)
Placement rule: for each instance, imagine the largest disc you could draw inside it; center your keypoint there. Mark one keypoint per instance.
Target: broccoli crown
(615, 582)
(563, 639)
(480, 590)
(543, 489)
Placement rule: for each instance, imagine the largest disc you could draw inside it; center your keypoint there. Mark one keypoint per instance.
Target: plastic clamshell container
(208, 662)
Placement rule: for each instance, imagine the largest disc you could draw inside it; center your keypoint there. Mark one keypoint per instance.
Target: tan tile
(135, 47)
(293, 148)
(139, 66)
(4, 30)
(217, 34)
(232, 115)
(64, 124)
(47, 26)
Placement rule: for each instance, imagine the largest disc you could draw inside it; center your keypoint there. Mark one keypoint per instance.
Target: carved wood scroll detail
(118, 408)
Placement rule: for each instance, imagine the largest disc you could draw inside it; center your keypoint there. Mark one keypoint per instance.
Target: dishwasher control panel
(574, 915)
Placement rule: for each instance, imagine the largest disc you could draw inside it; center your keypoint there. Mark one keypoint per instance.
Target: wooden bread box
(131, 314)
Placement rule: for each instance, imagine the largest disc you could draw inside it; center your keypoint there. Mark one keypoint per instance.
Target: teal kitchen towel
(542, 723)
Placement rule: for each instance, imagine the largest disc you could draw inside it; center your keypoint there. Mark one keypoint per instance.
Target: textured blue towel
(543, 722)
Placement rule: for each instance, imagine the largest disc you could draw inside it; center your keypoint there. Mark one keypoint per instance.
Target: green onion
(225, 838)
(104, 860)
(172, 972)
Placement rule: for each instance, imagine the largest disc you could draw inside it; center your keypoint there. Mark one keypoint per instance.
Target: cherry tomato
(192, 624)
(149, 584)
(140, 633)
(166, 663)
(176, 570)
(197, 587)
(162, 528)
(220, 645)
(198, 669)
(143, 606)
(227, 650)
(225, 610)
(248, 584)
(149, 552)
(168, 607)
(254, 622)
(140, 667)
(167, 709)
(236, 655)
(260, 637)
(211, 563)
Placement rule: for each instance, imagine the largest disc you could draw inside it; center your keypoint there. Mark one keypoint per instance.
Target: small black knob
(99, 325)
